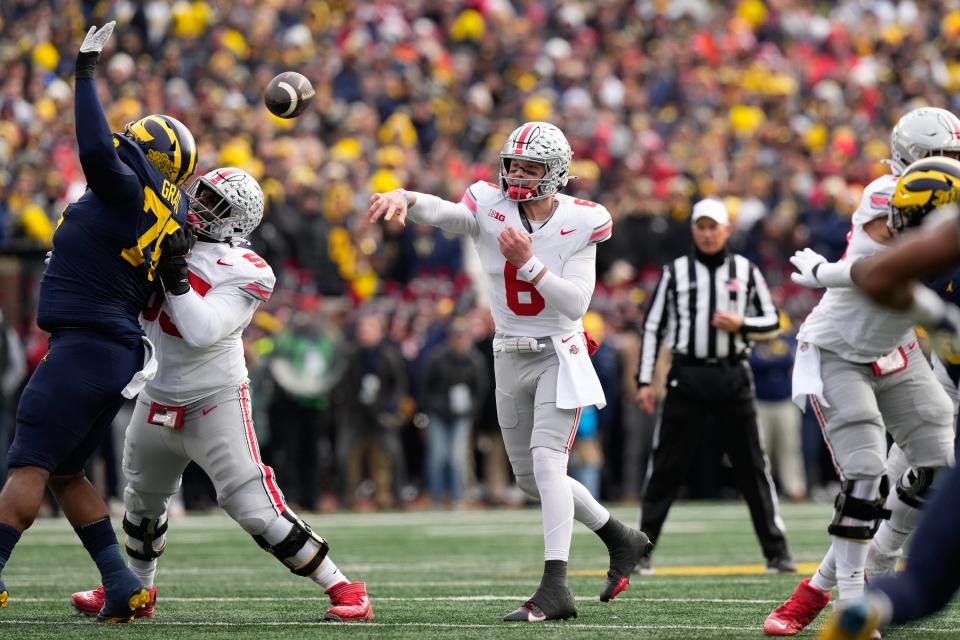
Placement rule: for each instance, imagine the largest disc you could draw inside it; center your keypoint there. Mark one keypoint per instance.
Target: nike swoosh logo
(209, 409)
(911, 346)
(225, 264)
(564, 232)
(532, 617)
(564, 340)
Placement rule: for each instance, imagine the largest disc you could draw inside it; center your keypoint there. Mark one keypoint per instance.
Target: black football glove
(172, 267)
(90, 49)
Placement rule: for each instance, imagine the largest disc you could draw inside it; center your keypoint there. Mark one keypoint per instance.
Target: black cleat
(553, 604)
(624, 558)
(781, 565)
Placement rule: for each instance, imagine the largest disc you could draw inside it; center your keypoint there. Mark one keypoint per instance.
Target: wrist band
(530, 269)
(405, 195)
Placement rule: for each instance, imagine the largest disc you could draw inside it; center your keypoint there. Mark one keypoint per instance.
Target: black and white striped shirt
(688, 294)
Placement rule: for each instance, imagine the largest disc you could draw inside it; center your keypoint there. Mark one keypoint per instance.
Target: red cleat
(89, 603)
(800, 609)
(351, 603)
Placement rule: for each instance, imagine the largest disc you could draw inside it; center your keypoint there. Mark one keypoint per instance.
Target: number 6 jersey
(565, 244)
(198, 334)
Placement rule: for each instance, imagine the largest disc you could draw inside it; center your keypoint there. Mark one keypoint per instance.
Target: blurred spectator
(779, 417)
(306, 363)
(496, 471)
(586, 458)
(372, 412)
(13, 363)
(454, 386)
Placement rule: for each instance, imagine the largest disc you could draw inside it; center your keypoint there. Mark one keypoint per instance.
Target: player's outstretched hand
(806, 263)
(389, 205)
(97, 38)
(90, 49)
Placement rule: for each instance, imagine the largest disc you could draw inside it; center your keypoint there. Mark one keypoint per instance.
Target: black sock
(554, 573)
(613, 532)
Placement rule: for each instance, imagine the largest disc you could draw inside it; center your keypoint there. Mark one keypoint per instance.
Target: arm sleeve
(570, 291)
(204, 321)
(764, 322)
(449, 216)
(653, 328)
(107, 176)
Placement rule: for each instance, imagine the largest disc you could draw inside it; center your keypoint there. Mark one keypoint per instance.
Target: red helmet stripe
(223, 175)
(522, 138)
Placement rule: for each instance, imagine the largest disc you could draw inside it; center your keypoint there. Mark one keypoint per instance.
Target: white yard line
(567, 626)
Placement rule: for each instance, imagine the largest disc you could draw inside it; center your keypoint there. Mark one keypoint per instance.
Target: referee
(708, 307)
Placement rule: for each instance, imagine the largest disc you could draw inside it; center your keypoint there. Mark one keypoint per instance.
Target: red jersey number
(514, 287)
(257, 261)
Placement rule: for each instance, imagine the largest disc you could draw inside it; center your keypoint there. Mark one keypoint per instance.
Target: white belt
(517, 345)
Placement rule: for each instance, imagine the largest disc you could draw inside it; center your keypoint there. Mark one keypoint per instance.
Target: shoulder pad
(601, 224)
(481, 192)
(251, 273)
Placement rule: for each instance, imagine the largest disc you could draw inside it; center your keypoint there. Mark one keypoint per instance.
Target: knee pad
(914, 484)
(848, 505)
(528, 484)
(294, 543)
(145, 541)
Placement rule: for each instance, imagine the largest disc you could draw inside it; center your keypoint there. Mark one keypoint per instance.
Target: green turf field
(432, 575)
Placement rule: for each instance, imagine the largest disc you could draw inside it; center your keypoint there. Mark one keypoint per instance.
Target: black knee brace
(286, 550)
(914, 484)
(143, 535)
(851, 507)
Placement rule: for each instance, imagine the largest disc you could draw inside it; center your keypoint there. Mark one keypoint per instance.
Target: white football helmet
(921, 133)
(225, 203)
(538, 142)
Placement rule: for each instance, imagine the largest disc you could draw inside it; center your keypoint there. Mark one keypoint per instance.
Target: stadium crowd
(781, 108)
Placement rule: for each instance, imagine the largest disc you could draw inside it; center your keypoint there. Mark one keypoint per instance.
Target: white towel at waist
(140, 378)
(806, 376)
(577, 381)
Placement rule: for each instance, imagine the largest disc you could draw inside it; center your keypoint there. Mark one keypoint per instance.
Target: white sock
(893, 533)
(825, 578)
(328, 574)
(851, 557)
(586, 509)
(556, 502)
(144, 569)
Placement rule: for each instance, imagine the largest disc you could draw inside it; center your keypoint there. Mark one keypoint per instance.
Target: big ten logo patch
(496, 215)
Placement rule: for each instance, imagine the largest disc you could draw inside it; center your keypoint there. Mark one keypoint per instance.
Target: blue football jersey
(105, 254)
(947, 287)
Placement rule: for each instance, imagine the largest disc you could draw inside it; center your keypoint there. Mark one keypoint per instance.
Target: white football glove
(97, 39)
(805, 262)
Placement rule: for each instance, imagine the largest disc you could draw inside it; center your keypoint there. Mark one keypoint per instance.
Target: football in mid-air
(288, 94)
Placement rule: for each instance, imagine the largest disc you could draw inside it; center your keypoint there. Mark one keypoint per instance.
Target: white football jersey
(845, 321)
(518, 308)
(237, 279)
